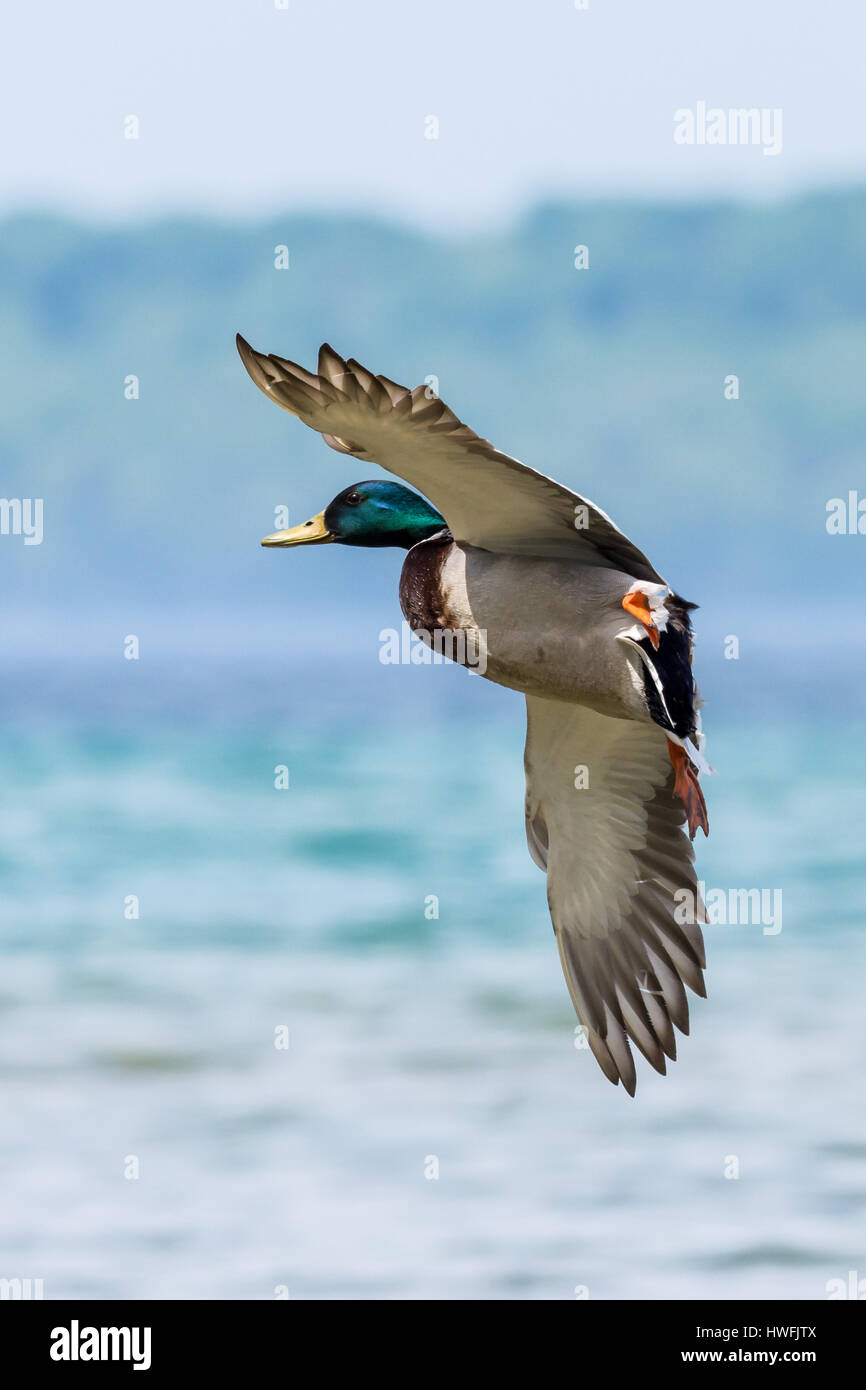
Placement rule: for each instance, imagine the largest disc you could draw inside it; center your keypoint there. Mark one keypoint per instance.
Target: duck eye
(353, 498)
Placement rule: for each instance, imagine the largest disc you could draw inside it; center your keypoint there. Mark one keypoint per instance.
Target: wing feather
(617, 861)
(488, 499)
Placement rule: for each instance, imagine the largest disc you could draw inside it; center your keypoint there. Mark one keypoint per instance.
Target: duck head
(374, 513)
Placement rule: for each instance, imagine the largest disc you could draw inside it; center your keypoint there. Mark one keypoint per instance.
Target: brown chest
(425, 593)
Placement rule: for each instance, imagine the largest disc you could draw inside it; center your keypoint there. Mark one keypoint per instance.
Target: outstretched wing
(488, 499)
(602, 820)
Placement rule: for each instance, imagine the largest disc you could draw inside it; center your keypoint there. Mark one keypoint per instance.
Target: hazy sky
(246, 108)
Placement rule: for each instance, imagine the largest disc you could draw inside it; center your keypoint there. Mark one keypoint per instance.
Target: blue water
(410, 1038)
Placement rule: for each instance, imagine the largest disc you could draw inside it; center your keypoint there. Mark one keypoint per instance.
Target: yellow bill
(313, 532)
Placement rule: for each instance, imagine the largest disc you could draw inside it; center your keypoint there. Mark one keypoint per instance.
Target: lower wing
(603, 822)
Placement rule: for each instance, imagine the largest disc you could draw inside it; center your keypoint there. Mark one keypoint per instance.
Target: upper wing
(615, 855)
(488, 499)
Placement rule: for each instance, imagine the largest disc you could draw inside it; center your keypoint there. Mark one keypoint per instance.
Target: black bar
(226, 1339)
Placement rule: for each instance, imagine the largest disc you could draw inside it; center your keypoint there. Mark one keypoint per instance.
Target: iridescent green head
(374, 513)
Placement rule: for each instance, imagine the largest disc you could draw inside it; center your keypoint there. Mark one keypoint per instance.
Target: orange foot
(688, 789)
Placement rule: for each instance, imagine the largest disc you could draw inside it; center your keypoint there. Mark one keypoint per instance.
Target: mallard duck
(568, 611)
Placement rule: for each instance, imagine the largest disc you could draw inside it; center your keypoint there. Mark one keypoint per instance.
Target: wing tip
(248, 356)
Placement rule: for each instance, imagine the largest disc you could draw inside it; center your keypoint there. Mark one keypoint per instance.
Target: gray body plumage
(565, 645)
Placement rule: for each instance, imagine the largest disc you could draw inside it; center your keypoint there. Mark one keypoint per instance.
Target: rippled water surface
(415, 1043)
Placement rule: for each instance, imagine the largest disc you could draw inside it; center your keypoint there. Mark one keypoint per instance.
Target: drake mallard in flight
(567, 610)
